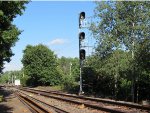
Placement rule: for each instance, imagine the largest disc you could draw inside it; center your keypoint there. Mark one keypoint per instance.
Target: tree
(69, 66)
(69, 69)
(142, 63)
(10, 76)
(5, 77)
(8, 32)
(40, 65)
(108, 76)
(121, 25)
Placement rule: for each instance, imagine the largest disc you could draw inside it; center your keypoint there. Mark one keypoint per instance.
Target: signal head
(81, 35)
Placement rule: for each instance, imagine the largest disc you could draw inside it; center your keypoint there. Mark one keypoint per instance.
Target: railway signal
(82, 54)
(81, 51)
(81, 18)
(81, 36)
(82, 15)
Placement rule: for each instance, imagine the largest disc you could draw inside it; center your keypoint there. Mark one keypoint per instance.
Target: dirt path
(10, 103)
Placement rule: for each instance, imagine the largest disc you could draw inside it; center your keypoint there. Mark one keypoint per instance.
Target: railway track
(101, 104)
(37, 106)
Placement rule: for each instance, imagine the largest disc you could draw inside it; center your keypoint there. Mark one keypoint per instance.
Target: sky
(52, 23)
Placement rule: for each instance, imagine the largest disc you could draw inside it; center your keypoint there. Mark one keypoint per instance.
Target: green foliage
(40, 66)
(119, 24)
(102, 74)
(142, 55)
(24, 80)
(69, 84)
(69, 66)
(69, 69)
(8, 32)
(9, 77)
(124, 87)
(122, 53)
(4, 78)
(143, 85)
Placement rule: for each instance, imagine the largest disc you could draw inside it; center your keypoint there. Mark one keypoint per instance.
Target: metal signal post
(81, 51)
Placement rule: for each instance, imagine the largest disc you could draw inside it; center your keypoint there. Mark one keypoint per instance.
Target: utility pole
(133, 77)
(70, 68)
(12, 79)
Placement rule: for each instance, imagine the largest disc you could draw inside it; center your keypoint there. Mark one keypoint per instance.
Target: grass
(1, 98)
(56, 87)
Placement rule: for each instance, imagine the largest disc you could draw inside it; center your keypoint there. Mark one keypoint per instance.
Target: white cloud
(57, 41)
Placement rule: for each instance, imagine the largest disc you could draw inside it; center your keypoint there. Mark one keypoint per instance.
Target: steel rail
(58, 110)
(120, 103)
(33, 106)
(95, 106)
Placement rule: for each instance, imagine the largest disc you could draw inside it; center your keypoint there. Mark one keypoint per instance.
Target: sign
(17, 82)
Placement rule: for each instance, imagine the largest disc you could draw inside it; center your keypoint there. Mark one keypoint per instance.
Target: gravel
(72, 108)
(10, 103)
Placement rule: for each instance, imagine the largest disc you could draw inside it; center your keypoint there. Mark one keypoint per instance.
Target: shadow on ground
(3, 107)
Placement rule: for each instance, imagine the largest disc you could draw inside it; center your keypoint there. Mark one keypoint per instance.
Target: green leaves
(122, 32)
(119, 20)
(8, 32)
(43, 67)
(40, 65)
(1, 13)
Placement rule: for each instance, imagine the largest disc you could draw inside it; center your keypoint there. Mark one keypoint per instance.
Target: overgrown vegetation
(122, 61)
